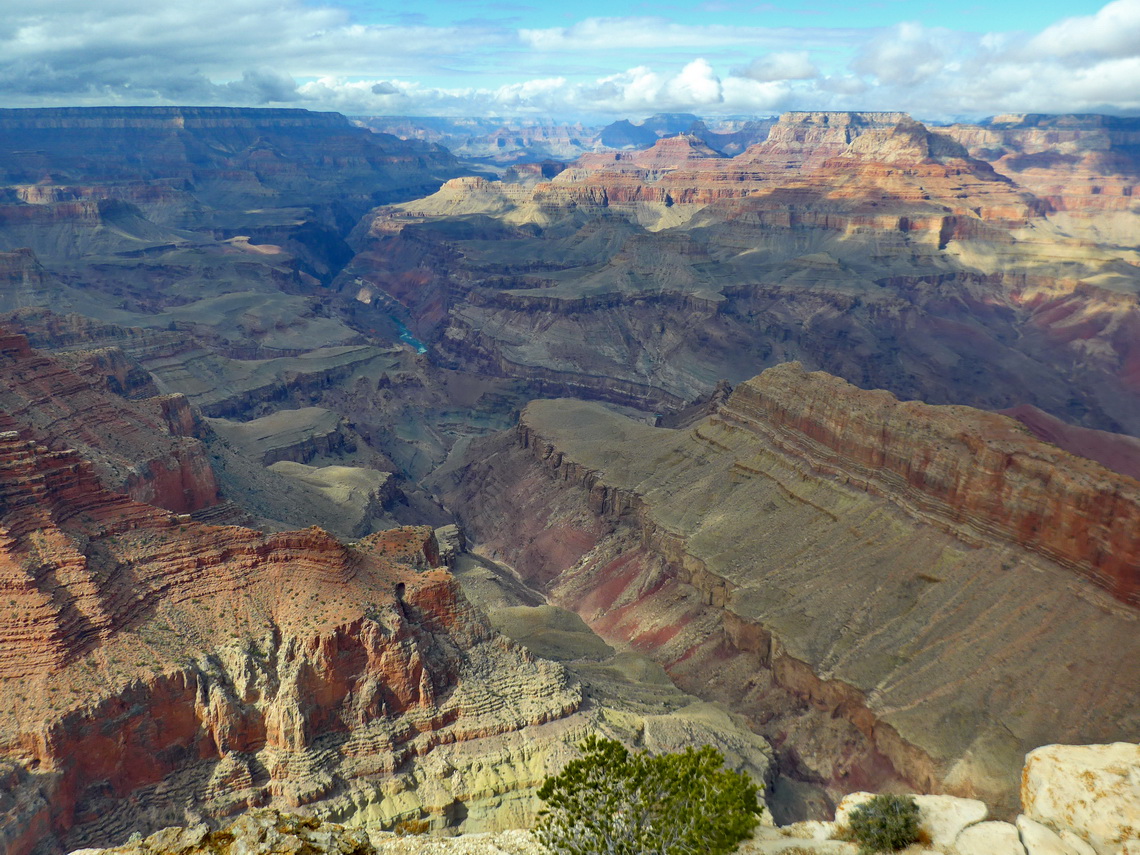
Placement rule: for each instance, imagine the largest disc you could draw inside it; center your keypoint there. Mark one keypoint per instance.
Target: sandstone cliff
(156, 670)
(887, 590)
(1085, 167)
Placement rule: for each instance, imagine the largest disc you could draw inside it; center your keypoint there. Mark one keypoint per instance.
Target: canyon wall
(863, 244)
(149, 449)
(155, 670)
(834, 564)
(971, 472)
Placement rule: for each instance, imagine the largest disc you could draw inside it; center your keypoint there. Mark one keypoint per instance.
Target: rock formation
(948, 825)
(888, 590)
(156, 670)
(1090, 813)
(149, 449)
(218, 154)
(863, 244)
(1086, 168)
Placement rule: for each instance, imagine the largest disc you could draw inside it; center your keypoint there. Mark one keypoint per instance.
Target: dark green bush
(884, 823)
(615, 802)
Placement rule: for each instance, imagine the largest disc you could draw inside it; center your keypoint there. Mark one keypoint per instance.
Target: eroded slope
(156, 670)
(879, 585)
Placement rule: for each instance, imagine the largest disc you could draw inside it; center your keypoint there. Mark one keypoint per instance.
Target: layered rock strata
(973, 473)
(1083, 165)
(221, 154)
(1107, 806)
(866, 245)
(155, 670)
(849, 581)
(149, 449)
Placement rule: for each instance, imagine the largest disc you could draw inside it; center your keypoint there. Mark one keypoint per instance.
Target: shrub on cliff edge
(615, 802)
(884, 823)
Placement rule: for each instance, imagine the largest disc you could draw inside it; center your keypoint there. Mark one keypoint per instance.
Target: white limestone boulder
(988, 838)
(944, 817)
(1092, 791)
(848, 804)
(1040, 839)
(1077, 844)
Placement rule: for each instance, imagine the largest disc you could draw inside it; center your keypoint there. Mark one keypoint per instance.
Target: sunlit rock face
(156, 670)
(863, 244)
(892, 592)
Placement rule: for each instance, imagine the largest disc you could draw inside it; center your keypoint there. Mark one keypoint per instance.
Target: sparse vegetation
(612, 801)
(884, 823)
(411, 827)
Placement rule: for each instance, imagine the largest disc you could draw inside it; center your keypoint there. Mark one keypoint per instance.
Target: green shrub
(884, 823)
(615, 802)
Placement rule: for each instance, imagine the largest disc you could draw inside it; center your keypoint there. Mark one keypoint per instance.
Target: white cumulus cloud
(1114, 31)
(780, 65)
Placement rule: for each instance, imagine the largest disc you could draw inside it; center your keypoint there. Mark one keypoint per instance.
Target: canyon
(866, 245)
(349, 477)
(885, 589)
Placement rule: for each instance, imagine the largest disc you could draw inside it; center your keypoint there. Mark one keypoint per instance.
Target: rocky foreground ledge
(1075, 800)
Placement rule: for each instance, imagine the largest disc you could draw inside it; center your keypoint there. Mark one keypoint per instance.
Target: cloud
(782, 65)
(1112, 32)
(264, 86)
(133, 48)
(654, 33)
(295, 52)
(903, 56)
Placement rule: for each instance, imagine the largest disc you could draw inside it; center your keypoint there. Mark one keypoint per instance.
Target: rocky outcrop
(262, 832)
(945, 825)
(293, 435)
(359, 494)
(973, 473)
(1118, 452)
(1109, 808)
(859, 602)
(156, 670)
(149, 449)
(1089, 791)
(1085, 166)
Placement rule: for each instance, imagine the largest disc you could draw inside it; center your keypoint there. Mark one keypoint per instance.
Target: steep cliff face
(1084, 165)
(285, 156)
(889, 591)
(975, 473)
(157, 670)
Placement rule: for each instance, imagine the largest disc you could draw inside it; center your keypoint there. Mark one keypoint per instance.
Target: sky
(587, 60)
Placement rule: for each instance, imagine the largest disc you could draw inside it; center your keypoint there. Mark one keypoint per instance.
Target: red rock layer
(979, 474)
(842, 171)
(146, 449)
(1117, 451)
(1085, 165)
(150, 665)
